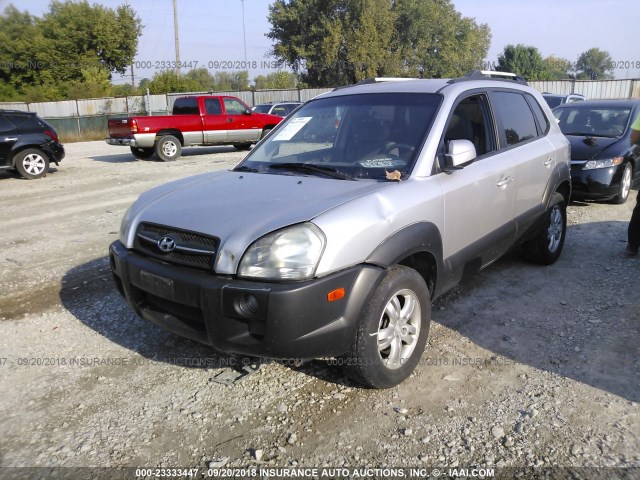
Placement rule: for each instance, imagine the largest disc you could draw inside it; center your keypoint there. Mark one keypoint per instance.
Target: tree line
(75, 49)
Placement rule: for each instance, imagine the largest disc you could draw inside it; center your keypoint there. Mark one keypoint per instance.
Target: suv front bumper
(274, 320)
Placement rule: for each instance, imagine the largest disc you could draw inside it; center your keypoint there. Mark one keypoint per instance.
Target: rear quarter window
(541, 118)
(515, 118)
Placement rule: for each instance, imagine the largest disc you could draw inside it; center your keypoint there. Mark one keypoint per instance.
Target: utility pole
(133, 78)
(175, 30)
(244, 34)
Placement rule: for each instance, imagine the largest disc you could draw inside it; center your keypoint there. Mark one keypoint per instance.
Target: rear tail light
(51, 134)
(134, 125)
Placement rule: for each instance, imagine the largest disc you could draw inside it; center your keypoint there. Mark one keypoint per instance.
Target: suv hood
(240, 207)
(583, 151)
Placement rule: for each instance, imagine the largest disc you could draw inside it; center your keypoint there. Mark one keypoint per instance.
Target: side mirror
(460, 153)
(248, 112)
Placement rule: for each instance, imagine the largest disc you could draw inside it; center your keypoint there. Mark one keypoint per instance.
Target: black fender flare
(422, 237)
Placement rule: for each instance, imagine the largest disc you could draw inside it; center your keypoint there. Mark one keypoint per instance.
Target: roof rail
(490, 75)
(383, 79)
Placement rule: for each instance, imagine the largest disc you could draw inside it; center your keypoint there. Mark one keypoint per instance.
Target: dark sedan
(604, 163)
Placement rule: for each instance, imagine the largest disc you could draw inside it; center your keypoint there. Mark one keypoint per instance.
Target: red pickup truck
(196, 120)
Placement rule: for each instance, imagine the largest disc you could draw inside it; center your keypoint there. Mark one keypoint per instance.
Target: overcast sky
(211, 31)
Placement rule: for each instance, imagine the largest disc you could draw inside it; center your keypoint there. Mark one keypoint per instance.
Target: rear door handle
(505, 181)
(548, 162)
(10, 139)
(229, 120)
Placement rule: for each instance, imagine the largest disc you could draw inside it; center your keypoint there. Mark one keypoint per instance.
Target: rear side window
(515, 117)
(5, 124)
(186, 106)
(212, 106)
(25, 122)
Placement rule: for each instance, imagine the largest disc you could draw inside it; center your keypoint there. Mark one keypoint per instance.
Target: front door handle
(505, 181)
(10, 139)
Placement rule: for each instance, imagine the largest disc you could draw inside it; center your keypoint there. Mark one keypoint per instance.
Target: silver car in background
(335, 233)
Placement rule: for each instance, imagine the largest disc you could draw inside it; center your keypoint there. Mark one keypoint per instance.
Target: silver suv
(332, 237)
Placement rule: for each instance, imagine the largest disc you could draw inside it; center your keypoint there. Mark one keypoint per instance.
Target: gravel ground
(526, 366)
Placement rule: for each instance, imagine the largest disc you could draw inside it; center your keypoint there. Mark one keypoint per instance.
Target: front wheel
(265, 132)
(242, 146)
(625, 185)
(546, 248)
(392, 332)
(168, 148)
(31, 163)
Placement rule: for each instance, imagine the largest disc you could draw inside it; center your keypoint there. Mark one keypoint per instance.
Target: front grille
(191, 249)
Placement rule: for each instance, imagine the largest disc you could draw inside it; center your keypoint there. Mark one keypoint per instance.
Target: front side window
(234, 107)
(471, 121)
(516, 117)
(350, 136)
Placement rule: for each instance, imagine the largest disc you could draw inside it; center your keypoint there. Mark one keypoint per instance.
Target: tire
(31, 163)
(625, 185)
(142, 153)
(383, 355)
(168, 148)
(546, 248)
(242, 146)
(265, 132)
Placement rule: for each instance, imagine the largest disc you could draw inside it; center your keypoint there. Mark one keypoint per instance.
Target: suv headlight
(125, 225)
(292, 253)
(606, 163)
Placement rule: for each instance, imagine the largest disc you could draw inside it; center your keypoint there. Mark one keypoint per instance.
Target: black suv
(28, 144)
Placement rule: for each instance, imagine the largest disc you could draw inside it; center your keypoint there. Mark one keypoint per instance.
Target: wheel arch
(418, 246)
(562, 185)
(173, 132)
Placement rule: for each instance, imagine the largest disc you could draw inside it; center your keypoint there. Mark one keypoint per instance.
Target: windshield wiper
(244, 168)
(580, 134)
(311, 168)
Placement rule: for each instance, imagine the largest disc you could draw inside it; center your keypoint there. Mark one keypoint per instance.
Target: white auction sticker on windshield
(382, 162)
(292, 128)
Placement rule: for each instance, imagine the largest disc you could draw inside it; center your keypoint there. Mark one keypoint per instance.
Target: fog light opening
(246, 305)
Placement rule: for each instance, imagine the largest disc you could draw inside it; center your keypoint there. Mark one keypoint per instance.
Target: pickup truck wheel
(242, 146)
(545, 249)
(142, 153)
(168, 148)
(265, 132)
(31, 163)
(392, 332)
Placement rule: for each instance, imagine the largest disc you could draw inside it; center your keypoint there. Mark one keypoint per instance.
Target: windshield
(349, 137)
(552, 100)
(592, 121)
(262, 108)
